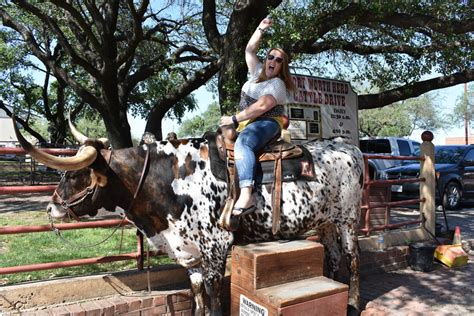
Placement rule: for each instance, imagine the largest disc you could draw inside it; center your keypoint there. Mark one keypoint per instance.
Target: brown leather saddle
(276, 151)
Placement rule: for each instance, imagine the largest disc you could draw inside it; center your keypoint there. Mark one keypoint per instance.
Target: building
(7, 133)
(459, 140)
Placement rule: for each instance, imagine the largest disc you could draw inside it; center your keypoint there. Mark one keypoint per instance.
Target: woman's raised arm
(252, 46)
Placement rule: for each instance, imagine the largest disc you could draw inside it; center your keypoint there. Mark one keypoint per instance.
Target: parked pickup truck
(387, 146)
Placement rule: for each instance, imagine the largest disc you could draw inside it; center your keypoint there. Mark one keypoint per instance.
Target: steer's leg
(197, 287)
(213, 265)
(214, 290)
(350, 248)
(328, 234)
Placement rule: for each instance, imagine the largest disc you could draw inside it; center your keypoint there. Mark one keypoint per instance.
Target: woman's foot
(244, 202)
(244, 205)
(241, 211)
(237, 214)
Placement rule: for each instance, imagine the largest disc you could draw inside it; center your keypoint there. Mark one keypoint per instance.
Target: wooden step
(255, 266)
(312, 296)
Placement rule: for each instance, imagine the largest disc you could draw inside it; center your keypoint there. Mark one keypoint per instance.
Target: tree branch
(60, 36)
(446, 27)
(166, 103)
(25, 125)
(82, 24)
(355, 14)
(371, 101)
(357, 48)
(214, 38)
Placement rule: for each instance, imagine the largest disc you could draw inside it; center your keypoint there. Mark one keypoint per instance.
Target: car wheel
(452, 196)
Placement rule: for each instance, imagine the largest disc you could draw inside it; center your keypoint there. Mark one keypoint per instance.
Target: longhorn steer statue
(180, 201)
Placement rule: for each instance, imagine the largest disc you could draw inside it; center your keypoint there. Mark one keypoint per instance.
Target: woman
(261, 113)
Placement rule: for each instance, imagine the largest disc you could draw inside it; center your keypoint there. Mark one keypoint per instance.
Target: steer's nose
(53, 211)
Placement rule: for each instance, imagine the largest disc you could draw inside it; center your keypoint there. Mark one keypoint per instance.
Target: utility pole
(467, 116)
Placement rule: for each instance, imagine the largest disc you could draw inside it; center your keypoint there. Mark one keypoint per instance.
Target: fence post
(140, 250)
(428, 187)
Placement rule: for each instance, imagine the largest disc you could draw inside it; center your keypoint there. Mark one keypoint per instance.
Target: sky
(203, 98)
(448, 100)
(448, 97)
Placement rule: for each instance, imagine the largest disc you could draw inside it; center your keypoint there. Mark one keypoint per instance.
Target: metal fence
(375, 206)
(20, 189)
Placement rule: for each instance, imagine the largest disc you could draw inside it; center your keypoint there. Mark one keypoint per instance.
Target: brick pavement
(443, 291)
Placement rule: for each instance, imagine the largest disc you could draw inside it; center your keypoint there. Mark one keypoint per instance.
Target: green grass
(31, 248)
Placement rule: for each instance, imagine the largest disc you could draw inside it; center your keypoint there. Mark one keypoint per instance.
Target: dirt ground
(24, 202)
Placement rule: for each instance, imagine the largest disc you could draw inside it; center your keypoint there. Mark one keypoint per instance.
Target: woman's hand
(226, 120)
(265, 24)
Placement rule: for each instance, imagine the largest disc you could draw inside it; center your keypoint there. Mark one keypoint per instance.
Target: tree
(22, 89)
(463, 112)
(198, 125)
(388, 47)
(116, 46)
(402, 118)
(385, 46)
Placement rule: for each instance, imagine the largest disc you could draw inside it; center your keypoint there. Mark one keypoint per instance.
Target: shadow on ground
(442, 290)
(24, 202)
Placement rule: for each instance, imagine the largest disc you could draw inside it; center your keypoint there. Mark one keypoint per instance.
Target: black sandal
(235, 219)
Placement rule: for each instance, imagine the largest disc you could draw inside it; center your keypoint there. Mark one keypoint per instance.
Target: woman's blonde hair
(284, 72)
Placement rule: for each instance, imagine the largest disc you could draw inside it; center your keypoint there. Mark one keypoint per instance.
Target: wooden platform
(284, 278)
(255, 266)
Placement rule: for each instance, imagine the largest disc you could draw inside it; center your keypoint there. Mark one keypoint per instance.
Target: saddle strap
(276, 192)
(232, 195)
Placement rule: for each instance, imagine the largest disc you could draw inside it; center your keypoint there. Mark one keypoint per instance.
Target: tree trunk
(118, 129)
(231, 79)
(60, 128)
(153, 124)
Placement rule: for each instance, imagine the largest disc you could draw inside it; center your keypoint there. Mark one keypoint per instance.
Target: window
(448, 154)
(375, 146)
(470, 155)
(416, 149)
(404, 148)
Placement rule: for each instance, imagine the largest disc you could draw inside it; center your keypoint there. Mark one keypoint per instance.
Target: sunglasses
(277, 59)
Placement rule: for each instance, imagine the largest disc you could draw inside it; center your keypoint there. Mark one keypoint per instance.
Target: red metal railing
(367, 205)
(138, 255)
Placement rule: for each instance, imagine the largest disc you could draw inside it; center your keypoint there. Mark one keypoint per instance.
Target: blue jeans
(251, 140)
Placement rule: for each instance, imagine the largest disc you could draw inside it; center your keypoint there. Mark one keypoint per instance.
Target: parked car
(387, 146)
(454, 166)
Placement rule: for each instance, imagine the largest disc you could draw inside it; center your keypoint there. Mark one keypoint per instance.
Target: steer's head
(78, 191)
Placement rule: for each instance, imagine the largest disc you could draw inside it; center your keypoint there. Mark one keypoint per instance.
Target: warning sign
(249, 308)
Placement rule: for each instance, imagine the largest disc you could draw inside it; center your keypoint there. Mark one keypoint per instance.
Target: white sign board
(250, 308)
(322, 108)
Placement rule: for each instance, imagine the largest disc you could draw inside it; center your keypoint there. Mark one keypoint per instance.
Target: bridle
(74, 200)
(82, 195)
(92, 189)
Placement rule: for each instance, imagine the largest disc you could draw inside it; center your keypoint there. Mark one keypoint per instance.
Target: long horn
(81, 138)
(84, 157)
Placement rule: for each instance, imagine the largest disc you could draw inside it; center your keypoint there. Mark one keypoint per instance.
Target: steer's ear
(99, 177)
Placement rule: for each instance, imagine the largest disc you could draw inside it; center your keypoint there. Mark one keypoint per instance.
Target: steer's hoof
(352, 311)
